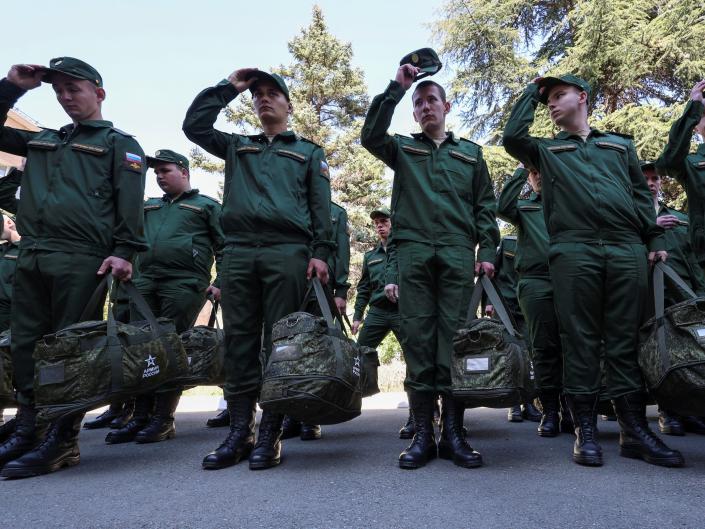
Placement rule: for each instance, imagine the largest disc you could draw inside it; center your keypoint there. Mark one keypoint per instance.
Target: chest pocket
(376, 267)
(43, 145)
(152, 207)
(529, 209)
(461, 171)
(192, 209)
(416, 154)
(95, 150)
(699, 164)
(558, 149)
(509, 255)
(10, 256)
(292, 155)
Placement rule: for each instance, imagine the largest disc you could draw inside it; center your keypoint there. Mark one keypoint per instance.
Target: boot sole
(314, 437)
(265, 464)
(412, 465)
(29, 472)
(633, 453)
(159, 439)
(217, 425)
(544, 433)
(671, 431)
(119, 441)
(444, 453)
(217, 466)
(588, 461)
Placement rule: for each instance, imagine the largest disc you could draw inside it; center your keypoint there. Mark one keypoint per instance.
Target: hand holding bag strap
(213, 318)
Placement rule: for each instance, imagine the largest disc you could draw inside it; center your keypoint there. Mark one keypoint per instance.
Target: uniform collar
(422, 137)
(90, 123)
(186, 194)
(564, 135)
(288, 136)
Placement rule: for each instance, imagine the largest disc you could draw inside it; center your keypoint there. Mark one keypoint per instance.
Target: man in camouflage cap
(80, 216)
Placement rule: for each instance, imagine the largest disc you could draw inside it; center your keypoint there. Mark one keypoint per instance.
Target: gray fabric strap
(673, 276)
(484, 283)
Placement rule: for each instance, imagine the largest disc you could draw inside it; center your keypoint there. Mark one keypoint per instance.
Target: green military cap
(380, 212)
(272, 77)
(549, 82)
(167, 156)
(425, 59)
(647, 164)
(73, 68)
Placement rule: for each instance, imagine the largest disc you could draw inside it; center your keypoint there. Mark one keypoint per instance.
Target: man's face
(271, 105)
(382, 226)
(564, 103)
(79, 98)
(430, 110)
(535, 180)
(653, 180)
(171, 178)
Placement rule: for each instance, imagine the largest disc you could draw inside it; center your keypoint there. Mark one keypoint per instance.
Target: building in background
(17, 120)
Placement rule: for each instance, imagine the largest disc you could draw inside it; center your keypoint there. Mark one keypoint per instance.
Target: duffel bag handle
(325, 302)
(484, 284)
(213, 318)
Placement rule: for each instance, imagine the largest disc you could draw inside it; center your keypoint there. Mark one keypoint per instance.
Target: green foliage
(389, 350)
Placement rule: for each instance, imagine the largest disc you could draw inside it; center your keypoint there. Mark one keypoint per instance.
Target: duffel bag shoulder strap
(143, 307)
(673, 276)
(484, 284)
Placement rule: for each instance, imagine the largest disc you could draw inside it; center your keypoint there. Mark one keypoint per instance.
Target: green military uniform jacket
(593, 190)
(8, 190)
(8, 263)
(527, 215)
(339, 262)
(689, 170)
(184, 235)
(276, 192)
(680, 253)
(370, 288)
(440, 195)
(83, 189)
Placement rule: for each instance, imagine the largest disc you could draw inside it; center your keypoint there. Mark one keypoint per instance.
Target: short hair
(428, 82)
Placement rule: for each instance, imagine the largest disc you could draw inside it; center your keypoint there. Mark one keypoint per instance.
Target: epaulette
(469, 141)
(209, 198)
(336, 204)
(308, 141)
(628, 136)
(122, 132)
(153, 198)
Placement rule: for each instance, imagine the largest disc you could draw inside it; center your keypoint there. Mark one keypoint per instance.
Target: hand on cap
(406, 75)
(537, 80)
(26, 76)
(242, 79)
(696, 94)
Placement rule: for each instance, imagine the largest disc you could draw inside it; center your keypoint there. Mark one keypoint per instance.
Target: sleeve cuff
(657, 244)
(321, 252)
(10, 91)
(486, 255)
(228, 89)
(695, 109)
(341, 292)
(357, 316)
(124, 252)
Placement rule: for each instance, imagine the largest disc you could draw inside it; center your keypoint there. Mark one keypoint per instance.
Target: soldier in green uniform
(505, 280)
(683, 261)
(535, 293)
(442, 208)
(8, 261)
(80, 217)
(689, 169)
(600, 220)
(184, 235)
(277, 224)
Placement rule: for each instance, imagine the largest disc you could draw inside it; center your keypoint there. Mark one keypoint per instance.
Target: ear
(290, 111)
(100, 92)
(446, 107)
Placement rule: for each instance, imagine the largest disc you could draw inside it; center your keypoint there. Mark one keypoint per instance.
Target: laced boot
(453, 445)
(566, 420)
(58, 450)
(267, 451)
(550, 420)
(669, 423)
(104, 419)
(636, 440)
(530, 412)
(408, 430)
(23, 437)
(290, 428)
(144, 406)
(219, 421)
(7, 429)
(423, 447)
(514, 414)
(241, 439)
(586, 449)
(161, 425)
(128, 409)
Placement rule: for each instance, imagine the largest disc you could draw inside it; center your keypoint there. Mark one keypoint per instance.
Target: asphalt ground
(350, 478)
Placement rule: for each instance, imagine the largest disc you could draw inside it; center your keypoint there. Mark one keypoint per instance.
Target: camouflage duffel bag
(205, 352)
(7, 391)
(490, 364)
(370, 364)
(672, 349)
(93, 363)
(313, 372)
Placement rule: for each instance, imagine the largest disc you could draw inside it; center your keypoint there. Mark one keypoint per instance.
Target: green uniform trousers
(259, 285)
(377, 325)
(178, 299)
(435, 286)
(600, 293)
(536, 301)
(51, 291)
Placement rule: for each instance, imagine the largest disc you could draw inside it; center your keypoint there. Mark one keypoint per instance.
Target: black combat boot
(241, 439)
(161, 425)
(128, 409)
(669, 423)
(453, 445)
(144, 406)
(437, 411)
(566, 419)
(219, 421)
(267, 451)
(550, 419)
(636, 440)
(530, 412)
(7, 429)
(586, 449)
(290, 428)
(423, 447)
(24, 436)
(693, 424)
(310, 432)
(514, 414)
(104, 419)
(58, 450)
(408, 430)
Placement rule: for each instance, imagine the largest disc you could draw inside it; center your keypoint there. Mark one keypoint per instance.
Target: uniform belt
(534, 275)
(596, 237)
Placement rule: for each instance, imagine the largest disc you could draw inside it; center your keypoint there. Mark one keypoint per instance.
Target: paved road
(350, 479)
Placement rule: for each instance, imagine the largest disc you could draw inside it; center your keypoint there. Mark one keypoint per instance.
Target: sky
(156, 55)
